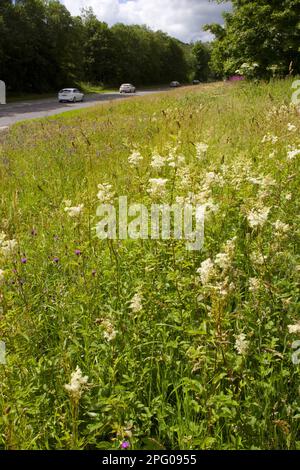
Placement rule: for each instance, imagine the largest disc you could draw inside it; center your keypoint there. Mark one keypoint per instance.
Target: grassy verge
(182, 349)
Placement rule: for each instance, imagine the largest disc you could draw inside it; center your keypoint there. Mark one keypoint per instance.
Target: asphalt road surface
(20, 111)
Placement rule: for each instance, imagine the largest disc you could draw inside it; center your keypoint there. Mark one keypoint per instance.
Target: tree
(201, 52)
(266, 32)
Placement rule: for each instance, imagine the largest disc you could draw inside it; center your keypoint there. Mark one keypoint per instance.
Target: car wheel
(74, 99)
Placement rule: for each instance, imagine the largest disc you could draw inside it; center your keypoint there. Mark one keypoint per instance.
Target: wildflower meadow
(141, 343)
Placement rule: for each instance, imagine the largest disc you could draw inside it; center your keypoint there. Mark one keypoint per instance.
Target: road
(20, 111)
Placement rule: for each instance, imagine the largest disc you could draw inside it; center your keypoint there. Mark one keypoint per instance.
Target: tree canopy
(43, 47)
(261, 32)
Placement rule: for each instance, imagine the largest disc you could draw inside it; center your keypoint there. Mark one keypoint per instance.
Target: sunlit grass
(202, 365)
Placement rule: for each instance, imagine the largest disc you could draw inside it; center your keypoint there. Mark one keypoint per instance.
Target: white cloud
(180, 18)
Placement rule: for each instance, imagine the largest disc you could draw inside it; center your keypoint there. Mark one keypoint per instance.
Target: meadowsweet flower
(109, 332)
(136, 303)
(258, 258)
(293, 152)
(2, 276)
(257, 218)
(77, 383)
(201, 150)
(7, 247)
(223, 260)
(175, 161)
(254, 284)
(264, 181)
(269, 138)
(206, 271)
(281, 228)
(241, 344)
(105, 193)
(184, 177)
(157, 186)
(210, 177)
(294, 329)
(157, 161)
(291, 127)
(74, 211)
(135, 158)
(211, 206)
(288, 196)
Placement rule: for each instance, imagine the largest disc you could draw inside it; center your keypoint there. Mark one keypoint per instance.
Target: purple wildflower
(23, 260)
(55, 260)
(125, 445)
(78, 252)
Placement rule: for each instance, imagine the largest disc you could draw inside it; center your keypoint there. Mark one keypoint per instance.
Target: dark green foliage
(266, 32)
(42, 47)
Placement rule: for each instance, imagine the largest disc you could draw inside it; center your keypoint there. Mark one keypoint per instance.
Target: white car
(70, 94)
(127, 88)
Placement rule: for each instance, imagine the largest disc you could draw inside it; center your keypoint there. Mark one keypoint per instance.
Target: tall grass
(204, 360)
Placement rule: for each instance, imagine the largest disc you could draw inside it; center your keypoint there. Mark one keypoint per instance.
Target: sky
(182, 19)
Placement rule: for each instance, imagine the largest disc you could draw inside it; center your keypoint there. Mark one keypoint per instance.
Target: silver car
(70, 94)
(127, 88)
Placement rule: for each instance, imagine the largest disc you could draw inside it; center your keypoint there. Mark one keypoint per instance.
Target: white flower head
(136, 303)
(174, 161)
(105, 194)
(109, 332)
(293, 152)
(269, 138)
(294, 329)
(280, 228)
(254, 284)
(2, 276)
(8, 247)
(74, 211)
(77, 384)
(157, 186)
(258, 258)
(291, 127)
(206, 271)
(241, 344)
(135, 158)
(258, 217)
(201, 150)
(157, 161)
